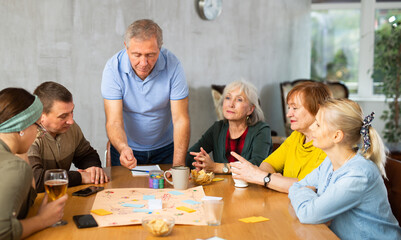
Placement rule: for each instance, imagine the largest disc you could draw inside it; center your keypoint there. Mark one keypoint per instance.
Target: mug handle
(166, 177)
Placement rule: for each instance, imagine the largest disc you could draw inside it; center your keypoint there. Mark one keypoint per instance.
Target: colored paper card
(254, 219)
(186, 209)
(155, 204)
(192, 202)
(175, 192)
(142, 210)
(217, 179)
(101, 212)
(147, 197)
(133, 205)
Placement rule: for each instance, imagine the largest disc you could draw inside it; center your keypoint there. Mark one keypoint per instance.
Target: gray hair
(251, 95)
(144, 29)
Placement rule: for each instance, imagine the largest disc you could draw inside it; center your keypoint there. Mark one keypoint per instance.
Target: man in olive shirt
(63, 143)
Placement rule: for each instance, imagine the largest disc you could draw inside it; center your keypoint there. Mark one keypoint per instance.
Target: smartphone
(87, 191)
(84, 221)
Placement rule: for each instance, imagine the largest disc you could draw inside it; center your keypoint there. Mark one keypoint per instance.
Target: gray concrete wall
(69, 41)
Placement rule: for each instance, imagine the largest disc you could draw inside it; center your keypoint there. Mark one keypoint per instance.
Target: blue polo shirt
(146, 103)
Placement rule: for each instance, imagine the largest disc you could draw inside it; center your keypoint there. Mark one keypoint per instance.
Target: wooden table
(238, 203)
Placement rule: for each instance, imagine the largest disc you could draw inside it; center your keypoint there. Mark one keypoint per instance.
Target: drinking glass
(56, 183)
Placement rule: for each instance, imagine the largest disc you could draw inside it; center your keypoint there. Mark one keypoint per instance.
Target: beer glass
(56, 183)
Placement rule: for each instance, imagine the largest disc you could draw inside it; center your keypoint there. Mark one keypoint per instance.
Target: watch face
(225, 169)
(267, 180)
(210, 9)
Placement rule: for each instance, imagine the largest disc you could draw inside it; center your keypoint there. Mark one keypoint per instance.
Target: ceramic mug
(180, 177)
(239, 183)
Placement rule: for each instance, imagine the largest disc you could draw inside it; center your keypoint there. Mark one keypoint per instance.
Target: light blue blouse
(353, 197)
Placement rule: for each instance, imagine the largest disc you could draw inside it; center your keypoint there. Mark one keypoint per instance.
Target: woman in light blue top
(347, 190)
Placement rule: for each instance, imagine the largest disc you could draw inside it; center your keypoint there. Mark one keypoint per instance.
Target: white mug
(180, 177)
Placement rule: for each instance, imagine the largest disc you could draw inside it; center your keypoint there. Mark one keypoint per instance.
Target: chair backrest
(338, 89)
(217, 91)
(393, 185)
(107, 155)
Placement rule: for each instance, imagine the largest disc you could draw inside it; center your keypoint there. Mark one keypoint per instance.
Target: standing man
(61, 141)
(146, 100)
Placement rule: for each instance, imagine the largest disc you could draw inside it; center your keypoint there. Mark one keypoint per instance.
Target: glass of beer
(56, 183)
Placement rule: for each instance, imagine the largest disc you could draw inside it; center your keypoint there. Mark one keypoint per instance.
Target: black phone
(87, 191)
(84, 221)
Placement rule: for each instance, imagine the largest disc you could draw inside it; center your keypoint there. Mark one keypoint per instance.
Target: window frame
(366, 44)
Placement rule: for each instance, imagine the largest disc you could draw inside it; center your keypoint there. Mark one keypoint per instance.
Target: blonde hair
(251, 95)
(347, 116)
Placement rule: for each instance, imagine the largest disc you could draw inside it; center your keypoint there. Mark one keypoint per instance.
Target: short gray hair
(144, 29)
(251, 95)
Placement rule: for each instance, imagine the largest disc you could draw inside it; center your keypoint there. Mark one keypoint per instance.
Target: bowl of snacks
(201, 177)
(158, 225)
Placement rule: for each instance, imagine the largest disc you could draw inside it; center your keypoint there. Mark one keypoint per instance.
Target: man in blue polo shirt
(146, 100)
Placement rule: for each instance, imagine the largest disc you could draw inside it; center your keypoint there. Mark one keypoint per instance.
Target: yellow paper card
(254, 219)
(101, 212)
(217, 179)
(186, 209)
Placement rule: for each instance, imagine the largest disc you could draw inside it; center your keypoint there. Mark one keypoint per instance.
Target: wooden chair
(107, 155)
(338, 89)
(217, 91)
(393, 185)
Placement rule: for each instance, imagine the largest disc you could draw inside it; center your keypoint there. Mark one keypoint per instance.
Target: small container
(158, 225)
(156, 179)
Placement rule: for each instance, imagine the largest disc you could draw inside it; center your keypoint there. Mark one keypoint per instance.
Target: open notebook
(144, 168)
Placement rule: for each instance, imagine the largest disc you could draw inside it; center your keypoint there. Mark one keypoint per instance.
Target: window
(335, 46)
(385, 20)
(343, 34)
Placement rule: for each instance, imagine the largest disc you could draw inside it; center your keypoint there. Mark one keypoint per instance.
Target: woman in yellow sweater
(297, 156)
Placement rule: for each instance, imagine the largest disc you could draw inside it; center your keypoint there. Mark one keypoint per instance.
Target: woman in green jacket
(20, 112)
(242, 131)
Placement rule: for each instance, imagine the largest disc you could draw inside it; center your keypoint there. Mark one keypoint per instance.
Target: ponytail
(376, 152)
(347, 116)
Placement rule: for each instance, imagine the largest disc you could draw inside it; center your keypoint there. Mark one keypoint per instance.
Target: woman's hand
(246, 170)
(203, 161)
(52, 212)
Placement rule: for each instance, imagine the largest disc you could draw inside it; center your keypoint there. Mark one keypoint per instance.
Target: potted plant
(387, 68)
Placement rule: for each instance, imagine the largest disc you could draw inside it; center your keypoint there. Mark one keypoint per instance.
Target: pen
(136, 170)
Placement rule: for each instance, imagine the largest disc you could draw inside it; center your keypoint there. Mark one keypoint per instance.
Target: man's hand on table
(94, 175)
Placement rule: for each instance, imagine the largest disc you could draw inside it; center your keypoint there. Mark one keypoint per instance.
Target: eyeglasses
(41, 130)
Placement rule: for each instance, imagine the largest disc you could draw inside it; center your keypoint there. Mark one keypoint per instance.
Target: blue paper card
(147, 197)
(133, 205)
(176, 193)
(142, 210)
(189, 201)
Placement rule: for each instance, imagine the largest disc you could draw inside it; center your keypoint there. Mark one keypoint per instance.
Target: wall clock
(210, 9)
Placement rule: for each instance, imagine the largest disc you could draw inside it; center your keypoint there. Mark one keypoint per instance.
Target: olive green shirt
(16, 193)
(65, 149)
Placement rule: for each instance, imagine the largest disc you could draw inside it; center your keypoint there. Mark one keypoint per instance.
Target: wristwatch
(225, 168)
(267, 179)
